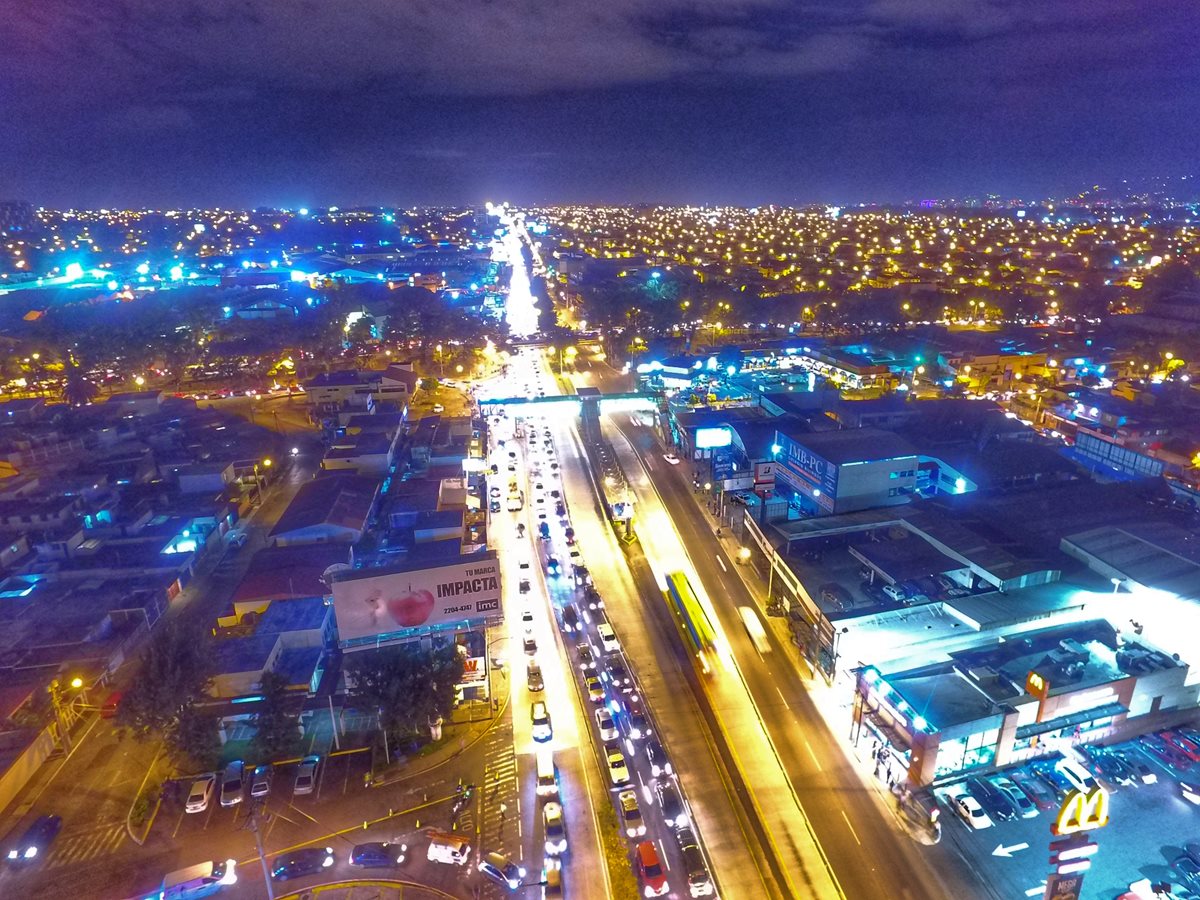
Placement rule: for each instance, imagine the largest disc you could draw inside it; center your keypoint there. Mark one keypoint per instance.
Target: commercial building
(843, 471)
(1001, 702)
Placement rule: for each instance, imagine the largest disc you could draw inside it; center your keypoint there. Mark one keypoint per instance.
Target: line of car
(233, 783)
(611, 687)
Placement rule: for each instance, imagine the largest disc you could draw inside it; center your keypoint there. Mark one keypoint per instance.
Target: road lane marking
(780, 693)
(813, 754)
(851, 827)
(722, 562)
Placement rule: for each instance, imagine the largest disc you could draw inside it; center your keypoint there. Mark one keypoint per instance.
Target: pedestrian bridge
(572, 403)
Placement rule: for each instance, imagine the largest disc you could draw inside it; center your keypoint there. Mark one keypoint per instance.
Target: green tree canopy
(172, 674)
(276, 726)
(409, 686)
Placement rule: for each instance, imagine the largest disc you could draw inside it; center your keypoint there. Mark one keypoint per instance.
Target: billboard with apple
(378, 603)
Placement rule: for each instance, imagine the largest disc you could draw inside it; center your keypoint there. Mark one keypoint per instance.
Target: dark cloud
(261, 101)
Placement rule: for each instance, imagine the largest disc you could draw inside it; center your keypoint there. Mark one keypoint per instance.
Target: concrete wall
(870, 484)
(26, 764)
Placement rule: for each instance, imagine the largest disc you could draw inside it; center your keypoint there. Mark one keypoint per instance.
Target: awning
(1071, 720)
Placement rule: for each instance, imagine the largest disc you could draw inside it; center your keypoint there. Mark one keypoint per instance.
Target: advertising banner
(764, 473)
(374, 602)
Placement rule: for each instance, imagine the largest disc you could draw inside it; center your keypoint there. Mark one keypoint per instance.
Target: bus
(693, 621)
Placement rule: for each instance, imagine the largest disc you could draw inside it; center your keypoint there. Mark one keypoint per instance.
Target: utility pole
(262, 858)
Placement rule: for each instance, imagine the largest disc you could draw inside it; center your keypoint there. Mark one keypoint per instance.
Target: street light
(1116, 583)
(60, 710)
(266, 464)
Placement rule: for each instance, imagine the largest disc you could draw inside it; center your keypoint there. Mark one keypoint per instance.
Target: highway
(580, 787)
(855, 828)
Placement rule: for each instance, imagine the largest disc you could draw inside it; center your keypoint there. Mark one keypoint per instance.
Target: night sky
(317, 102)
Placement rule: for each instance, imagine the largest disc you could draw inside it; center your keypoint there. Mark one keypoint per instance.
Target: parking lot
(1148, 828)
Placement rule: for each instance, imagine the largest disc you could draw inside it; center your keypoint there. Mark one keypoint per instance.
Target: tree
(172, 674)
(276, 728)
(410, 687)
(193, 741)
(77, 390)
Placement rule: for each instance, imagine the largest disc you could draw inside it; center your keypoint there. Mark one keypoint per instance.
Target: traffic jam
(651, 810)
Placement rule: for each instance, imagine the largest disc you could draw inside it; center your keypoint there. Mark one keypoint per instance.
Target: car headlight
(31, 852)
(649, 891)
(12, 854)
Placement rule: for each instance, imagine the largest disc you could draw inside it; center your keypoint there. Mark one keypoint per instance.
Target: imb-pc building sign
(377, 606)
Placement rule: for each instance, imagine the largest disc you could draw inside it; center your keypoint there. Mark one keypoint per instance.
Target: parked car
(35, 840)
(992, 799)
(260, 781)
(1038, 792)
(1165, 753)
(1054, 779)
(967, 808)
(298, 863)
(378, 855)
(306, 775)
(201, 794)
(1024, 806)
(1141, 769)
(1081, 779)
(1182, 743)
(232, 784)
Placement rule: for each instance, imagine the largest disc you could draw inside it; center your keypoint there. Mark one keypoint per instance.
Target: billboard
(708, 438)
(372, 603)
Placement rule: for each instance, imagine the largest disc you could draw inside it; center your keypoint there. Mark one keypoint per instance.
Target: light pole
(64, 726)
(441, 362)
(266, 463)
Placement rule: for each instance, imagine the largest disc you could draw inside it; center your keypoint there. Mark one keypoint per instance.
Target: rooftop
(852, 445)
(336, 499)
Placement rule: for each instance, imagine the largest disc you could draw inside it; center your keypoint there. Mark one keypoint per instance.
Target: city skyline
(704, 103)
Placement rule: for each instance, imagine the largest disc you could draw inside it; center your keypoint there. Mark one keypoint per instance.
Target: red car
(650, 870)
(1184, 745)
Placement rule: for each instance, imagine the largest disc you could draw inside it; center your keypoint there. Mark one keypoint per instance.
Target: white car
(604, 721)
(201, 794)
(968, 808)
(618, 771)
(671, 458)
(1077, 775)
(608, 638)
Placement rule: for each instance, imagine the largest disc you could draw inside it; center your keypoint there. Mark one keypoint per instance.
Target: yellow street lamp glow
(267, 463)
(77, 682)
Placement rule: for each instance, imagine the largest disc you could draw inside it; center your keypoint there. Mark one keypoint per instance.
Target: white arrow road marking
(1001, 850)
